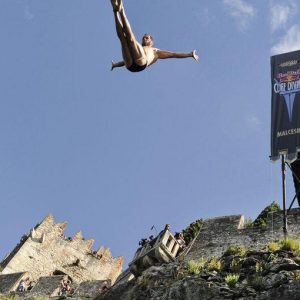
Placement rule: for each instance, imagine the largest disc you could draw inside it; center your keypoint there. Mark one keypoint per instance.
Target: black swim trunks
(136, 68)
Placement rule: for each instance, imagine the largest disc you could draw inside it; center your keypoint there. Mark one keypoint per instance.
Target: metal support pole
(284, 196)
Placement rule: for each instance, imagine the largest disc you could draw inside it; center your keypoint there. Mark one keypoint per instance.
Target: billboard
(285, 111)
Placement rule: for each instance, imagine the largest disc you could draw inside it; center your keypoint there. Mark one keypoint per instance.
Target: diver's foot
(116, 4)
(195, 56)
(121, 7)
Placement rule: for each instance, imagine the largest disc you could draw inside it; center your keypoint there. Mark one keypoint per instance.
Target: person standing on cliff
(136, 56)
(296, 176)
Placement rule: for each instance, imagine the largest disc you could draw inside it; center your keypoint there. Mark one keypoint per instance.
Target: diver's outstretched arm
(117, 64)
(163, 54)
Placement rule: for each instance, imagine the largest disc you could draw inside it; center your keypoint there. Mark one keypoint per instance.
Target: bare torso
(150, 54)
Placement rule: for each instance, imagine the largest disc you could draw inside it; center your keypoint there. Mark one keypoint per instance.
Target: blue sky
(115, 152)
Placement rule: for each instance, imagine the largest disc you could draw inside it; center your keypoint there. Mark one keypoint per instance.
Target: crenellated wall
(217, 234)
(46, 251)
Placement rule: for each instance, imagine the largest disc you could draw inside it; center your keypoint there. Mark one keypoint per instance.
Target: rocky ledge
(238, 274)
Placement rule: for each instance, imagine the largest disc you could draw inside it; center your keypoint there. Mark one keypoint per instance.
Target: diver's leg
(126, 25)
(127, 57)
(135, 47)
(119, 26)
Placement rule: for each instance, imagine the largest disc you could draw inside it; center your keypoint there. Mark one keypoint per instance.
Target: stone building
(45, 252)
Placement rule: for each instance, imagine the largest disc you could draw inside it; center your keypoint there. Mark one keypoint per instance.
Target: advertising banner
(285, 111)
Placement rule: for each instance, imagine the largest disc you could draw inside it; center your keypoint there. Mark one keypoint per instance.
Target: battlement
(217, 234)
(45, 251)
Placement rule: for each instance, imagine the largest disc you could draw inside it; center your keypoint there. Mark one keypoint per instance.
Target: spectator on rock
(181, 240)
(168, 227)
(66, 288)
(22, 286)
(143, 242)
(30, 285)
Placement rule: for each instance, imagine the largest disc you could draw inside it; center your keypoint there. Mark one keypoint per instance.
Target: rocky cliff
(256, 275)
(227, 260)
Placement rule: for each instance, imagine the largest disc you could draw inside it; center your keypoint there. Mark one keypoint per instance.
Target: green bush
(290, 245)
(236, 250)
(248, 223)
(10, 297)
(232, 279)
(213, 264)
(259, 267)
(5, 297)
(236, 265)
(192, 230)
(261, 220)
(196, 266)
(297, 274)
(273, 257)
(261, 223)
(273, 246)
(297, 253)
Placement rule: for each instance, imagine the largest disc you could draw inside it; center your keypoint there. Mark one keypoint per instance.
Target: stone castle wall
(46, 251)
(217, 234)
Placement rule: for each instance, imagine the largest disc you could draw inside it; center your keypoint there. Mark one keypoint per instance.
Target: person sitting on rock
(168, 227)
(66, 288)
(180, 240)
(22, 286)
(30, 285)
(143, 242)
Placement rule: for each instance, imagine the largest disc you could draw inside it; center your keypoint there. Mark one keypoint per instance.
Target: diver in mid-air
(137, 57)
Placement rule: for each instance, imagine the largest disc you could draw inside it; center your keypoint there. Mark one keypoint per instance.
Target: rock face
(10, 282)
(257, 279)
(49, 285)
(259, 274)
(217, 234)
(225, 261)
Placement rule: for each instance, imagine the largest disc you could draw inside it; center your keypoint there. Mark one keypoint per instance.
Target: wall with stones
(217, 234)
(49, 285)
(10, 282)
(46, 250)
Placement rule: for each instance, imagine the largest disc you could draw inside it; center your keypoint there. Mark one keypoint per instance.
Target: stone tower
(45, 251)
